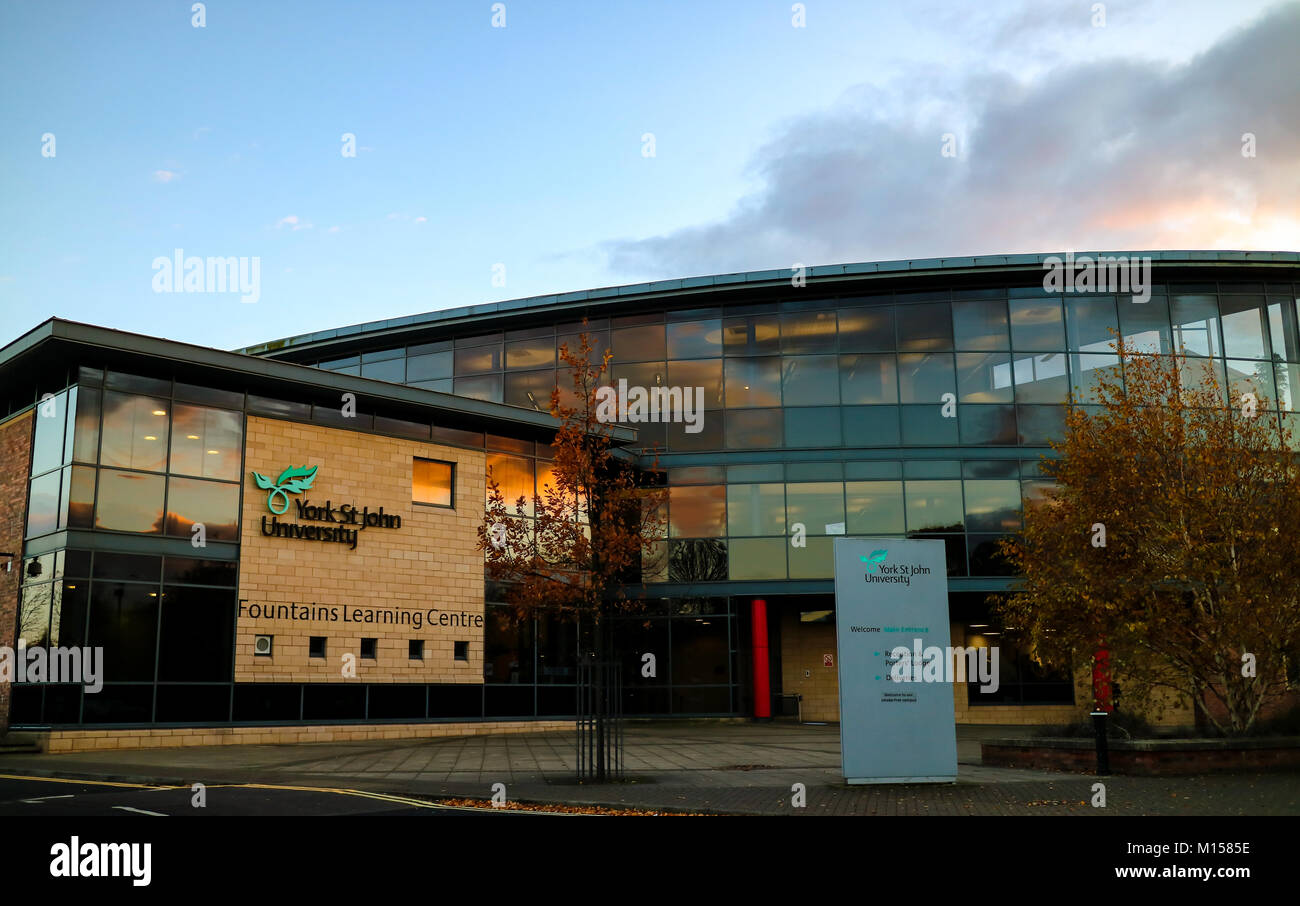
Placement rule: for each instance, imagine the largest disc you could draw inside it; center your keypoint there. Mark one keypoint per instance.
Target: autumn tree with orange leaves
(1171, 539)
(593, 527)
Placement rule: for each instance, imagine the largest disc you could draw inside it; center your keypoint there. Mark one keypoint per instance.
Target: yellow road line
(133, 786)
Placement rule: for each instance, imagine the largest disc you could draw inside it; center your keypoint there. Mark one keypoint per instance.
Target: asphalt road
(50, 797)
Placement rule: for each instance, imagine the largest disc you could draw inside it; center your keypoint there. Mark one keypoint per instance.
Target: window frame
(451, 482)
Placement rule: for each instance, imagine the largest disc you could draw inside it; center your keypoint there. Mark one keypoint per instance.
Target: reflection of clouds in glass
(129, 502)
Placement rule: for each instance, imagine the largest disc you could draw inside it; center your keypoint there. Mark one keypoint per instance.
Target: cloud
(422, 220)
(165, 175)
(293, 223)
(1105, 154)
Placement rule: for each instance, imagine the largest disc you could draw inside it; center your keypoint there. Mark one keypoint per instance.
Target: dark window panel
(871, 426)
(925, 327)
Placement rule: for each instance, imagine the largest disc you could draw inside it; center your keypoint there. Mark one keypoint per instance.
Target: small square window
(369, 649)
(432, 482)
(316, 646)
(263, 645)
(462, 651)
(415, 649)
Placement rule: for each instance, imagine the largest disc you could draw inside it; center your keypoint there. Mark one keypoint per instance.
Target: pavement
(710, 767)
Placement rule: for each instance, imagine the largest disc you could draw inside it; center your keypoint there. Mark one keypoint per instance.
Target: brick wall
(15, 464)
(803, 646)
(429, 562)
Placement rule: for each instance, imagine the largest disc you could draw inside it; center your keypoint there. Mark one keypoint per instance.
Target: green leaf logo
(293, 480)
(876, 558)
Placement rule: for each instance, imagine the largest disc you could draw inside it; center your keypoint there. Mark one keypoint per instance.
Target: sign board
(828, 660)
(897, 723)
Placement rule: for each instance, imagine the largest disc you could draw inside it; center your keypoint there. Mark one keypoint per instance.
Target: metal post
(1103, 748)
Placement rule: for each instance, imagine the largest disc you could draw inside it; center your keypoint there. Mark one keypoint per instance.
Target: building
(911, 398)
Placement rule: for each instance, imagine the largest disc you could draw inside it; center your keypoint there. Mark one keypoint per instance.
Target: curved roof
(827, 273)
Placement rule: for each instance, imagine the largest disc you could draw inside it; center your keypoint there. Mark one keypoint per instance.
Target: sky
(504, 150)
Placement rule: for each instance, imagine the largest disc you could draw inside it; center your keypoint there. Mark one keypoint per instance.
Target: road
(51, 797)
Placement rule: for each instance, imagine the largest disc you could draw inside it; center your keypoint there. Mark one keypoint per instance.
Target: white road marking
(139, 811)
(43, 798)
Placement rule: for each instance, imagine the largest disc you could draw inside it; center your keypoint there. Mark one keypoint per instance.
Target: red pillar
(1102, 698)
(762, 684)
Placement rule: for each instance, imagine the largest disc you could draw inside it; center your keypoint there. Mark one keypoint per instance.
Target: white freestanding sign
(897, 723)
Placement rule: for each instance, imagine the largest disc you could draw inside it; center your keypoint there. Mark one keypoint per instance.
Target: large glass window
(47, 447)
(867, 329)
(1087, 370)
(639, 344)
(1243, 326)
(391, 370)
(705, 373)
(757, 558)
(815, 560)
(993, 505)
(753, 382)
(755, 509)
(695, 339)
(986, 424)
(43, 514)
(124, 622)
(984, 377)
(810, 426)
(483, 387)
(755, 335)
(1196, 324)
(697, 511)
(808, 331)
(1041, 378)
(135, 432)
(530, 389)
(478, 359)
(515, 476)
(213, 504)
(207, 442)
(754, 429)
(196, 636)
(810, 380)
(868, 379)
(1090, 320)
(85, 446)
(130, 502)
(925, 377)
(434, 366)
(1145, 325)
(523, 355)
(934, 506)
(925, 327)
(874, 507)
(818, 505)
(980, 324)
(870, 426)
(1036, 325)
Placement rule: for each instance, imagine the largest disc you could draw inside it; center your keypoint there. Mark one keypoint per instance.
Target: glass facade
(850, 377)
(899, 414)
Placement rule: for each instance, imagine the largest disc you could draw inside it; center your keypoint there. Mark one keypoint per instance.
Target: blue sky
(522, 145)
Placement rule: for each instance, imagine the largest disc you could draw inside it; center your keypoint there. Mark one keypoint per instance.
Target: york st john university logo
(293, 480)
(874, 561)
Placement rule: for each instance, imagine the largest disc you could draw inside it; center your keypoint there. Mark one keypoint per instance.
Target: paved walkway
(711, 767)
